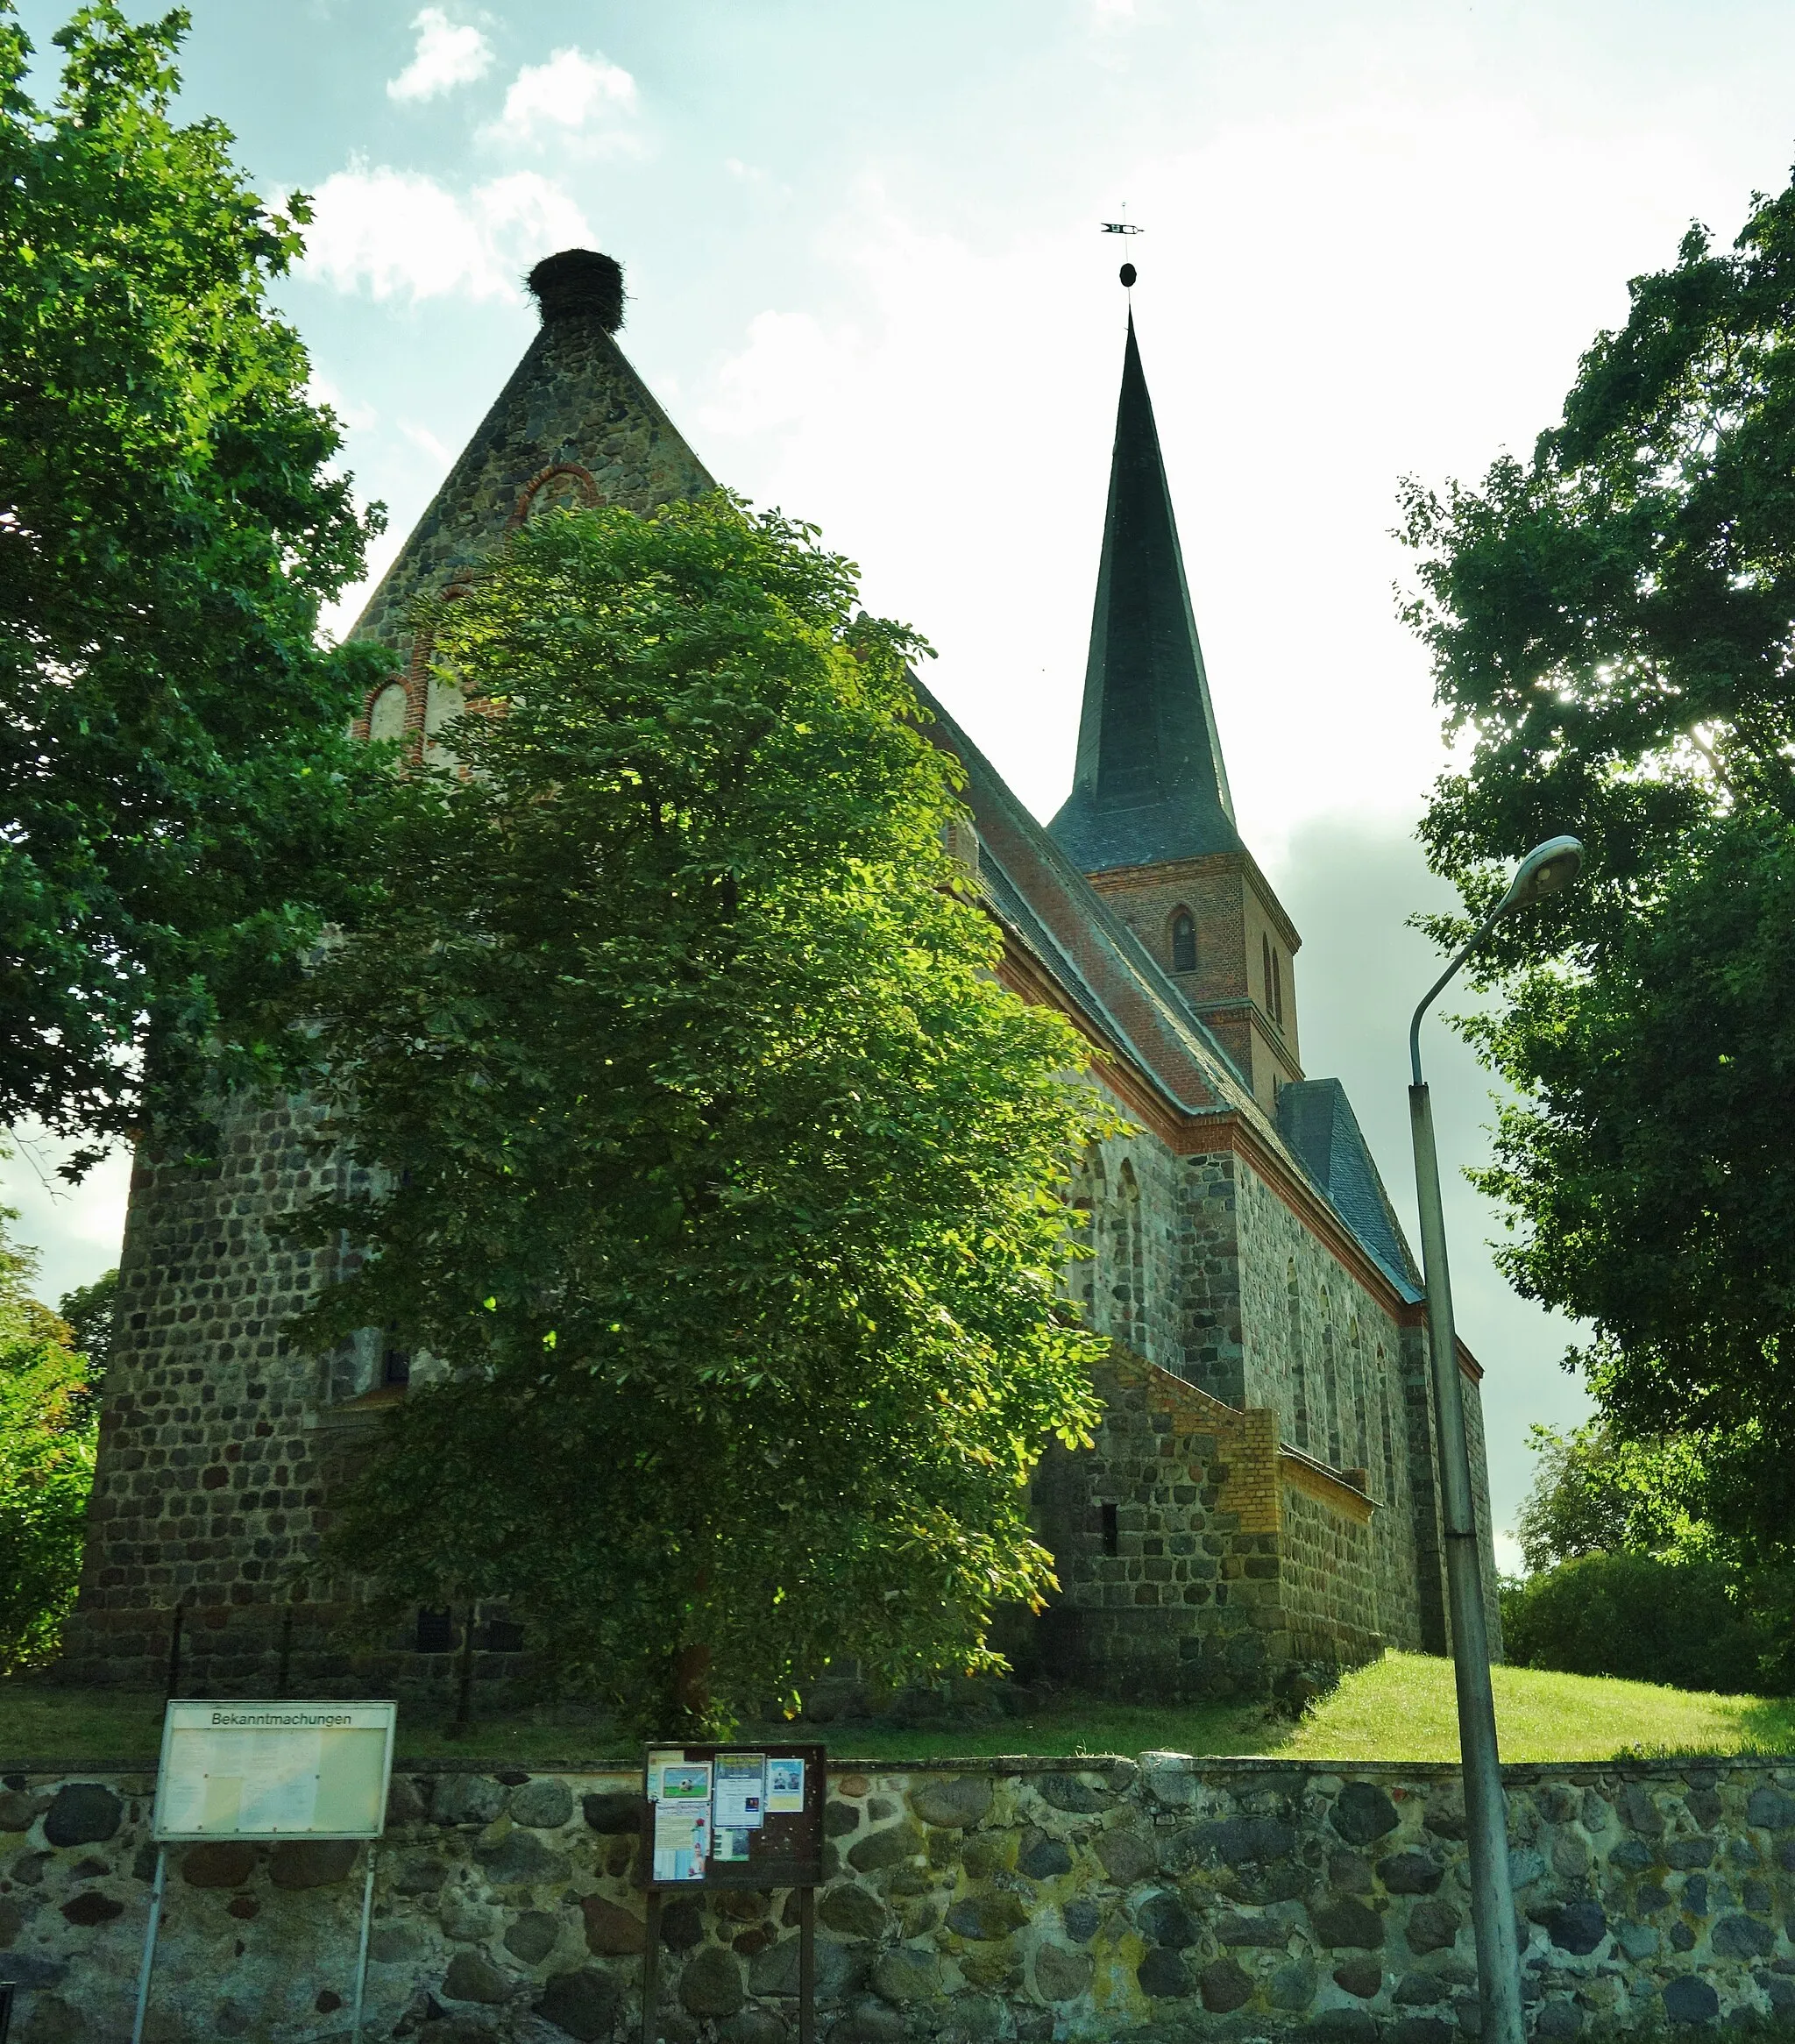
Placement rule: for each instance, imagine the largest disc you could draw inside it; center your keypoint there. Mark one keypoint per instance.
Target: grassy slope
(1400, 1708)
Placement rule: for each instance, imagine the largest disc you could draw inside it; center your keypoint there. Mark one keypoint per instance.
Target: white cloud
(447, 54)
(790, 370)
(571, 95)
(400, 233)
(352, 415)
(426, 442)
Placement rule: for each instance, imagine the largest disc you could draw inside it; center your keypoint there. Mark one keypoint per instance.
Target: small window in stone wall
(1111, 1531)
(1183, 942)
(395, 1359)
(504, 1636)
(387, 713)
(435, 1631)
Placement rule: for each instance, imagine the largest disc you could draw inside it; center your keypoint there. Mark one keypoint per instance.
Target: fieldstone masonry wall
(1163, 1898)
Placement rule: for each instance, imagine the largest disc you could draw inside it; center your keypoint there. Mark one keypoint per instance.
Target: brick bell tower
(1149, 820)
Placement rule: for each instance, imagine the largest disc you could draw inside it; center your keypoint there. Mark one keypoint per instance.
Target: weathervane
(1122, 226)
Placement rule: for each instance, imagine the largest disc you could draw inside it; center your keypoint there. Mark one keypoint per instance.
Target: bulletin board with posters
(732, 1817)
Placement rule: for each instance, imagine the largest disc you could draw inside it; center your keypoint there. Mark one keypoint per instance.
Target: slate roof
(1150, 783)
(1320, 1129)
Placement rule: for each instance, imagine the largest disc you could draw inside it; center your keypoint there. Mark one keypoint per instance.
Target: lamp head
(1548, 868)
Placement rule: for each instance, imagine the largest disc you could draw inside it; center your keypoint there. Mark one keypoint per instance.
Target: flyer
(685, 1781)
(784, 1787)
(656, 1762)
(741, 1790)
(681, 1840)
(732, 1843)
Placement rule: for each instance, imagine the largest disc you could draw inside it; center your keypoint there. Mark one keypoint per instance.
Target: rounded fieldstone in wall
(1124, 1857)
(1224, 1987)
(1345, 2026)
(852, 1913)
(751, 2026)
(1165, 1920)
(1419, 1991)
(886, 1848)
(1421, 2030)
(1558, 2021)
(839, 1819)
(614, 1814)
(419, 1873)
(1690, 1999)
(1163, 1975)
(1432, 1925)
(1770, 1809)
(518, 1858)
(1361, 1976)
(1363, 1813)
(472, 1978)
(682, 1925)
(219, 1863)
(544, 1805)
(86, 1910)
(1061, 1976)
(1081, 1919)
(907, 1974)
(1411, 1873)
(1076, 1798)
(312, 1863)
(16, 1810)
(867, 2022)
(1041, 1858)
(1292, 1987)
(611, 1932)
(83, 1813)
(466, 1799)
(1346, 1923)
(953, 1805)
(1742, 1937)
(532, 1937)
(711, 1985)
(583, 2004)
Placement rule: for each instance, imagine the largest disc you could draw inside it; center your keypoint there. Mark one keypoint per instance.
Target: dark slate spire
(1150, 785)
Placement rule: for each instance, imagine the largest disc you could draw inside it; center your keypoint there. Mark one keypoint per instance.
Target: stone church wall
(970, 1902)
(1197, 1558)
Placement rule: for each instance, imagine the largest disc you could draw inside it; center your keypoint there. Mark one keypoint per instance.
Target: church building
(1261, 1502)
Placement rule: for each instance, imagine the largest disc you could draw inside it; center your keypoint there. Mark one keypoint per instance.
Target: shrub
(1637, 1616)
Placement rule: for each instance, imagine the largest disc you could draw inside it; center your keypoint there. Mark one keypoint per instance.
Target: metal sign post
(732, 1817)
(270, 1771)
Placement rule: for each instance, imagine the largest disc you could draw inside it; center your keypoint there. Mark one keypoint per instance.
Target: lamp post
(1548, 868)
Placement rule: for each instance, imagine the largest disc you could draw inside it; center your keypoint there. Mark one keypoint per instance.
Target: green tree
(176, 774)
(47, 1431)
(1613, 624)
(709, 1167)
(90, 1311)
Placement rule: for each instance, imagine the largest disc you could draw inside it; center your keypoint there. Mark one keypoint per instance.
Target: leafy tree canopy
(1613, 625)
(174, 768)
(47, 1432)
(708, 1165)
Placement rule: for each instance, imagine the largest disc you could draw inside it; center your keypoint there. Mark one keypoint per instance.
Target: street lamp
(1548, 869)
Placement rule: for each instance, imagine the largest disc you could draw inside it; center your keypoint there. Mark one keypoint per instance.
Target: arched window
(1184, 941)
(387, 713)
(1128, 1276)
(1277, 987)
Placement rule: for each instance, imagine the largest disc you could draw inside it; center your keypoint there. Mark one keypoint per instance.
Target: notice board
(274, 1769)
(732, 1817)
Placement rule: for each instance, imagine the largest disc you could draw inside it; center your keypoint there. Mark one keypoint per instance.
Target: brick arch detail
(591, 495)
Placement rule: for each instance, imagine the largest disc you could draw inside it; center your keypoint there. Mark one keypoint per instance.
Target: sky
(866, 278)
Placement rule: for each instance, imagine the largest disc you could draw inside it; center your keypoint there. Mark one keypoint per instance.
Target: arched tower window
(1299, 1361)
(1183, 942)
(387, 713)
(1128, 1322)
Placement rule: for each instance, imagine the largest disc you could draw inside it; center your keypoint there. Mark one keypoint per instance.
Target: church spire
(1150, 785)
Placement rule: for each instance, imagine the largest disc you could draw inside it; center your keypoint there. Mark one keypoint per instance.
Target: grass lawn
(1399, 1708)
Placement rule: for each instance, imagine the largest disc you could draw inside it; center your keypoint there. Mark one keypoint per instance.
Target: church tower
(1150, 821)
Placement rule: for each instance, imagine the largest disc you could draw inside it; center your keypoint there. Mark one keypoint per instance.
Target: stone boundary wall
(1163, 1898)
